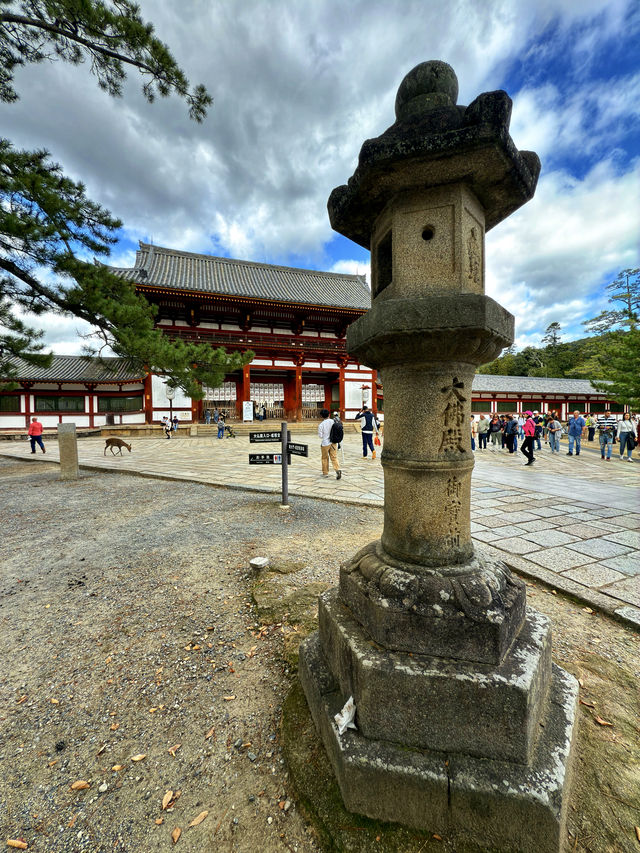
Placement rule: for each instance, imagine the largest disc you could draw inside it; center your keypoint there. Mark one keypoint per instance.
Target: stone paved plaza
(573, 523)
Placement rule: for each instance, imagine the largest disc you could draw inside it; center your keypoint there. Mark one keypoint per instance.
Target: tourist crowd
(532, 429)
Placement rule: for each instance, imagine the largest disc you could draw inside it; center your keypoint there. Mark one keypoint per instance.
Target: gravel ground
(128, 628)
(129, 632)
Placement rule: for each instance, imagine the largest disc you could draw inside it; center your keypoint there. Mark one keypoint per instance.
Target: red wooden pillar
(27, 404)
(91, 390)
(290, 397)
(148, 399)
(238, 399)
(293, 393)
(298, 393)
(342, 363)
(328, 399)
(246, 388)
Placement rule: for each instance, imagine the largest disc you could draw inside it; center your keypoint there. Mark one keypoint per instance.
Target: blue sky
(298, 86)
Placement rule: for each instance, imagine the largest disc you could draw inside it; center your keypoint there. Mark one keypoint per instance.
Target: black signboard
(265, 459)
(259, 437)
(298, 449)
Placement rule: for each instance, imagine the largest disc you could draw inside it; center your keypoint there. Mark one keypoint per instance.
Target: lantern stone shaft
(421, 200)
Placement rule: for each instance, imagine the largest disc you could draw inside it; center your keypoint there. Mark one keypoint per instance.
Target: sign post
(288, 448)
(284, 437)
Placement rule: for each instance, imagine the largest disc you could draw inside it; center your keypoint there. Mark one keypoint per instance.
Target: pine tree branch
(76, 37)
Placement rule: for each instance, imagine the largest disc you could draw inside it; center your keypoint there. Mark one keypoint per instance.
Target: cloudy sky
(298, 85)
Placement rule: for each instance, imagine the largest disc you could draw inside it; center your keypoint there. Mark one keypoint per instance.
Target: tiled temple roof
(489, 384)
(75, 368)
(168, 268)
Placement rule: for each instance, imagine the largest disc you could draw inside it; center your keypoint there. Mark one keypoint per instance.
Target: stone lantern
(464, 726)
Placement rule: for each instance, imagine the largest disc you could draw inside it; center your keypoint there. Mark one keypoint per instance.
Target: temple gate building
(294, 320)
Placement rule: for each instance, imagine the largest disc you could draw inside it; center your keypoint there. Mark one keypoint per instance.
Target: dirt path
(129, 629)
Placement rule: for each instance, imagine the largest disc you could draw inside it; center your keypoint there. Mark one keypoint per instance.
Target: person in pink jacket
(35, 435)
(529, 434)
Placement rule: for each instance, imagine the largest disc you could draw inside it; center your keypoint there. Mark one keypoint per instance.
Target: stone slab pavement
(572, 523)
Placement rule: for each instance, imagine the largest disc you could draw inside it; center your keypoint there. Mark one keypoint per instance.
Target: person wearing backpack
(337, 431)
(369, 425)
(327, 447)
(511, 433)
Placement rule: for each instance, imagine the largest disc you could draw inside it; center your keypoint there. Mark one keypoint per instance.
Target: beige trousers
(329, 452)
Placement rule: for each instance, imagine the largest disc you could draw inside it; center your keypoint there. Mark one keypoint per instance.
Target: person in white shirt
(627, 435)
(327, 448)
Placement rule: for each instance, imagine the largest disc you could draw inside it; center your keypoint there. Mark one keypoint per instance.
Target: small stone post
(464, 726)
(68, 447)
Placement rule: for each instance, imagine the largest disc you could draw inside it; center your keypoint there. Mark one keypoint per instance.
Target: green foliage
(625, 292)
(621, 367)
(574, 359)
(48, 226)
(610, 359)
(112, 36)
(619, 348)
(552, 335)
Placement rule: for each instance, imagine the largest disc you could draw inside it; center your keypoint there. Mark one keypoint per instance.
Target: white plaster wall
(184, 417)
(159, 397)
(279, 363)
(77, 419)
(353, 396)
(11, 422)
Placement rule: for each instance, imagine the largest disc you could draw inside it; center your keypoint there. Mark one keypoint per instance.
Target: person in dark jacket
(511, 433)
(369, 426)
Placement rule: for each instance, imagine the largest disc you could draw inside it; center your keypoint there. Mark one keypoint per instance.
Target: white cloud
(62, 335)
(548, 261)
(298, 87)
(590, 120)
(353, 268)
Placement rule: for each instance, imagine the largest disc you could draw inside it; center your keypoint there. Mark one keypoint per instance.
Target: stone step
(491, 711)
(472, 802)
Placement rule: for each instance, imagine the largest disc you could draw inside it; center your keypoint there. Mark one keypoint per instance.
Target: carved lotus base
(468, 612)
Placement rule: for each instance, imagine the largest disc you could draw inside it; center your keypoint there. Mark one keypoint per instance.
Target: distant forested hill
(573, 360)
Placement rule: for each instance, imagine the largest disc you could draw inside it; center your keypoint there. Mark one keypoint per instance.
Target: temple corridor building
(294, 320)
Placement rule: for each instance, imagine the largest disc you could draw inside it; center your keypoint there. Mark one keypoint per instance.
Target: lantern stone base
(524, 708)
(471, 611)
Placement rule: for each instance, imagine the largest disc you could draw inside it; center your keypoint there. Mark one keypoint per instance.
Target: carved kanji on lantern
(453, 417)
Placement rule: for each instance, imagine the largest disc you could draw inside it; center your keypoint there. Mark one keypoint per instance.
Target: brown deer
(116, 442)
